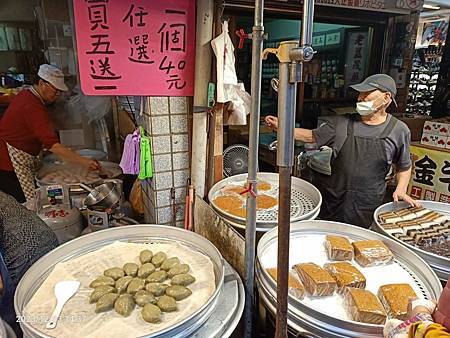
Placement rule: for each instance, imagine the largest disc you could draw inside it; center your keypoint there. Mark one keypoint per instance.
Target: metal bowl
(440, 264)
(324, 322)
(37, 274)
(105, 196)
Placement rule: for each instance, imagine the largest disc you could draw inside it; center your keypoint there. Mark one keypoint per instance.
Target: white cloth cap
(52, 75)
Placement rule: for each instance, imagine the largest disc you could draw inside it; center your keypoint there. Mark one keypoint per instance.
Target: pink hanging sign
(136, 47)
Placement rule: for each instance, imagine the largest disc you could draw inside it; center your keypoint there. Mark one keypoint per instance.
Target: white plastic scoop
(63, 291)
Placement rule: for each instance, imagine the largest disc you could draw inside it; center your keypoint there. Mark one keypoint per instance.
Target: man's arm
(304, 135)
(70, 156)
(402, 186)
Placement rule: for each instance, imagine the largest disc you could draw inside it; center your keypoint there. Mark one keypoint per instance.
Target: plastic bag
(395, 299)
(226, 73)
(136, 198)
(363, 306)
(345, 275)
(338, 248)
(239, 106)
(317, 281)
(97, 107)
(93, 107)
(372, 252)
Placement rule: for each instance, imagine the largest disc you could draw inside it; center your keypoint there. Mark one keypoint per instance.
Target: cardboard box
(437, 127)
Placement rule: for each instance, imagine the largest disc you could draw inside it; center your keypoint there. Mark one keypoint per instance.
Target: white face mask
(365, 108)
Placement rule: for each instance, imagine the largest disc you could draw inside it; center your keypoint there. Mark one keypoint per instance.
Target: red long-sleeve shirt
(26, 126)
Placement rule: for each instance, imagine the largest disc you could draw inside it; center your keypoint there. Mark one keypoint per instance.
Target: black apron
(357, 183)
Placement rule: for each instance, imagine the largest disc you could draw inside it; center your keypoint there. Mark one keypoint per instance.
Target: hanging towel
(146, 165)
(131, 154)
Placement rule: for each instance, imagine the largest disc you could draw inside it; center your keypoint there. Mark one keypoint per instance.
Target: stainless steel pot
(105, 196)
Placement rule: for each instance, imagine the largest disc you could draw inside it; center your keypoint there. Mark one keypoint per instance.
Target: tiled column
(165, 119)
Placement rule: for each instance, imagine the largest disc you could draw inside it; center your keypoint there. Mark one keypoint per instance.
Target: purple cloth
(131, 154)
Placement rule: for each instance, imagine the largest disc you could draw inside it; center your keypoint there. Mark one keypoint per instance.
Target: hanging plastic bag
(136, 198)
(238, 108)
(145, 164)
(226, 73)
(93, 107)
(131, 154)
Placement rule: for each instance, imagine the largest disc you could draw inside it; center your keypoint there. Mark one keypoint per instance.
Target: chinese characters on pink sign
(140, 47)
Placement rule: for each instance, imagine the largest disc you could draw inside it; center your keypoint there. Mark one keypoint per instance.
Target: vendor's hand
(403, 196)
(92, 165)
(272, 122)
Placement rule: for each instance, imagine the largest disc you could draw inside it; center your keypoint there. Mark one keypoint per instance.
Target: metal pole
(290, 73)
(285, 159)
(250, 230)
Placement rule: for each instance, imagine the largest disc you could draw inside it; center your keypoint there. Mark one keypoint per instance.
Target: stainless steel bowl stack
(217, 318)
(305, 201)
(440, 264)
(324, 322)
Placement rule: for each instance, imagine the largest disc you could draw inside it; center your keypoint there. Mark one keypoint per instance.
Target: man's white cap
(52, 75)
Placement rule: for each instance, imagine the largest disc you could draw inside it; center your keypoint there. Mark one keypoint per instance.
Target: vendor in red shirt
(26, 129)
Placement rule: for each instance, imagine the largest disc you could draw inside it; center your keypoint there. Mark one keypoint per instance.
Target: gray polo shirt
(333, 133)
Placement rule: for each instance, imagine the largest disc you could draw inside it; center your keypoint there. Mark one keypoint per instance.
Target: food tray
(111, 169)
(440, 264)
(37, 274)
(305, 200)
(326, 316)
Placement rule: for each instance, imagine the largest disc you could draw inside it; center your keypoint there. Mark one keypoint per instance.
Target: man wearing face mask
(364, 145)
(26, 129)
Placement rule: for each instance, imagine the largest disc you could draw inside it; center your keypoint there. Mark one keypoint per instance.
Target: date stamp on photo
(43, 319)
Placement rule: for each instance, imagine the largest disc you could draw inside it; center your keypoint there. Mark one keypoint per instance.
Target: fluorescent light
(431, 7)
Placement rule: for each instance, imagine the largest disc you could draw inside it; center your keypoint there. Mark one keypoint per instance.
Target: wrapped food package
(395, 298)
(346, 274)
(295, 287)
(363, 306)
(317, 281)
(338, 248)
(372, 252)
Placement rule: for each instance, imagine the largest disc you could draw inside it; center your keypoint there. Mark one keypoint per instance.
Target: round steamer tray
(326, 316)
(305, 200)
(37, 274)
(261, 229)
(440, 264)
(112, 167)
